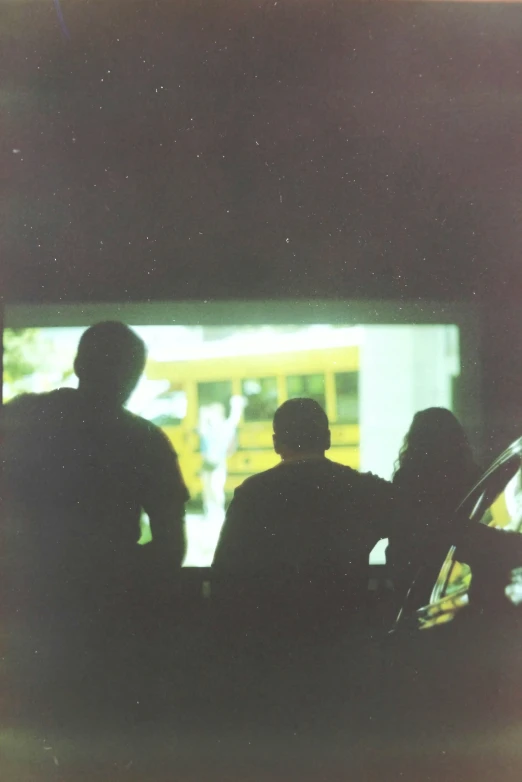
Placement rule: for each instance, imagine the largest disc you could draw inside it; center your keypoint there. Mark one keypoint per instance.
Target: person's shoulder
(20, 402)
(148, 438)
(28, 398)
(28, 403)
(299, 471)
(142, 427)
(18, 412)
(341, 470)
(375, 482)
(261, 478)
(363, 480)
(260, 481)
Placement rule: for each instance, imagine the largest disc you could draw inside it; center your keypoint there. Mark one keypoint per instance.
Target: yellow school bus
(328, 375)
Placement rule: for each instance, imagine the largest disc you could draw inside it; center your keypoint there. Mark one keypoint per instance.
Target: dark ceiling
(284, 148)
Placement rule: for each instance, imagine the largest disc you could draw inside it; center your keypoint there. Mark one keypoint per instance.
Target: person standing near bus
(217, 434)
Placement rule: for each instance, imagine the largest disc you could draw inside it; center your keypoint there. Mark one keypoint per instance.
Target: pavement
(165, 754)
(322, 712)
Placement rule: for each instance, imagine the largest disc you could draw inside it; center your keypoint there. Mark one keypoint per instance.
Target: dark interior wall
(502, 361)
(197, 150)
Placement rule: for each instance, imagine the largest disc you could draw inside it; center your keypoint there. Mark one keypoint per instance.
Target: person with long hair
(434, 472)
(436, 463)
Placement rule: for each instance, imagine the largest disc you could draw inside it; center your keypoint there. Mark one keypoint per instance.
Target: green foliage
(29, 356)
(22, 353)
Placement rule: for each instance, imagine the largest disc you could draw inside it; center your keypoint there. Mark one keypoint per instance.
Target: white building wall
(403, 369)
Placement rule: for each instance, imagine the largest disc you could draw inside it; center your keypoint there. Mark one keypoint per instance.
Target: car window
(498, 503)
(488, 503)
(449, 595)
(506, 510)
(454, 578)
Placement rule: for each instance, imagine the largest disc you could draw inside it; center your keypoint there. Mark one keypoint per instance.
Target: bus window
(347, 393)
(261, 396)
(210, 393)
(308, 386)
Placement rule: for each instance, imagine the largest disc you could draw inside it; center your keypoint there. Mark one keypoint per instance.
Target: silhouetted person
(435, 471)
(303, 530)
(436, 464)
(79, 469)
(301, 533)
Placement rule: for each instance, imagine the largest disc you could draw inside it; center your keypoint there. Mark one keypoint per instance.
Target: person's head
(110, 361)
(217, 412)
(435, 439)
(301, 429)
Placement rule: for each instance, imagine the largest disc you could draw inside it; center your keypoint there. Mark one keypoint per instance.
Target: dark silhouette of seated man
(303, 530)
(79, 469)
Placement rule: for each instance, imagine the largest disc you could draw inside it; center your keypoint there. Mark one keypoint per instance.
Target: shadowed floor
(208, 708)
